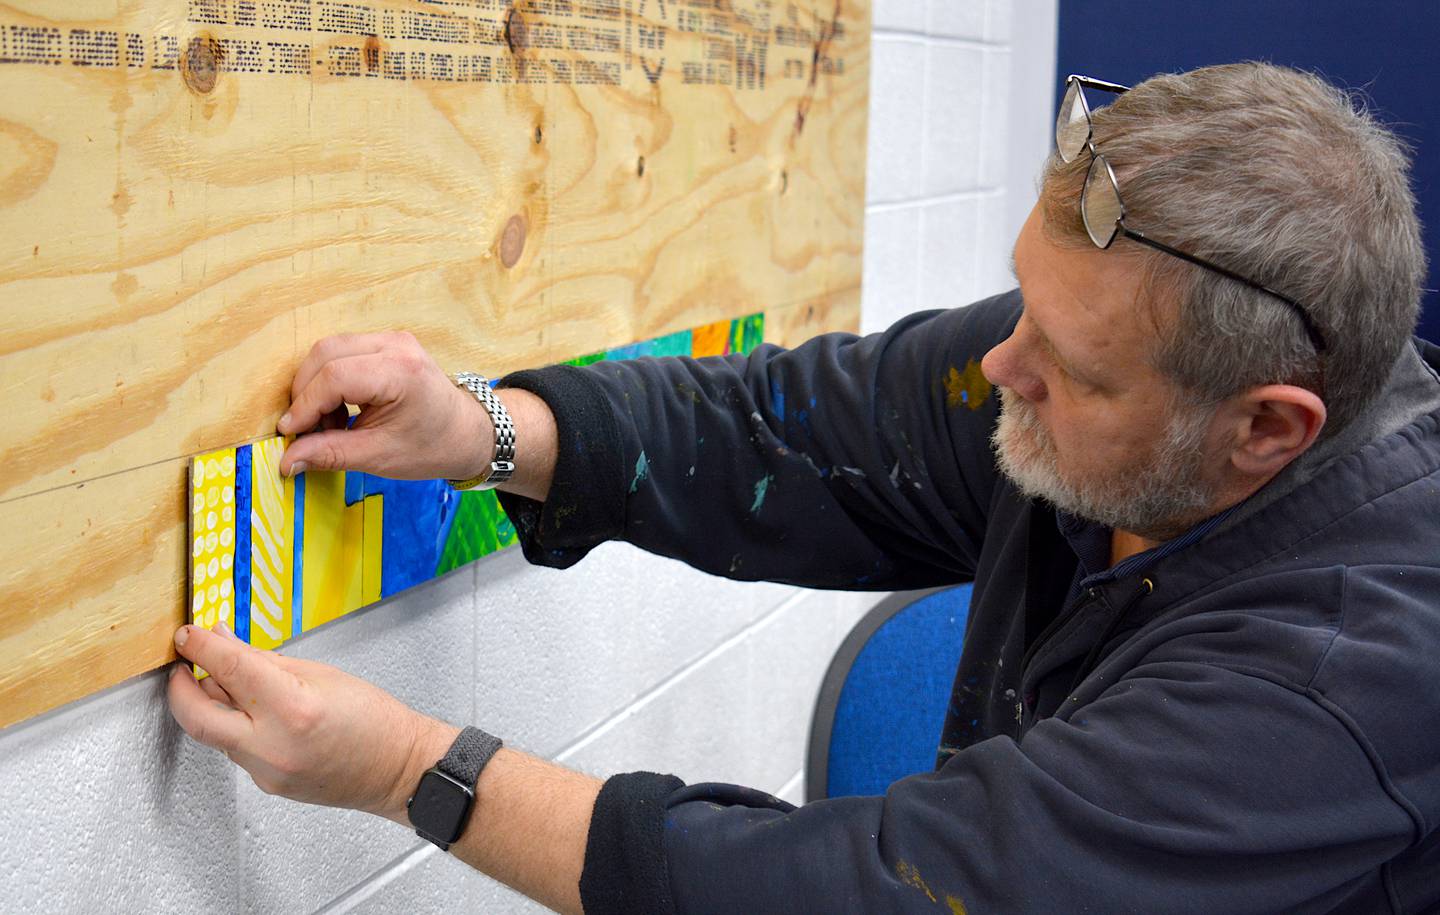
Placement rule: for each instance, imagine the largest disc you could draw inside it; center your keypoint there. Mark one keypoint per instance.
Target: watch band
(502, 465)
(469, 754)
(441, 805)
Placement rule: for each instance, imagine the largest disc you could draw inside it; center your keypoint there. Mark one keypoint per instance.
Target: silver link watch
(502, 465)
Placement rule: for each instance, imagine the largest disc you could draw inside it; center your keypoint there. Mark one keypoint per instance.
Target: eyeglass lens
(1072, 124)
(1100, 203)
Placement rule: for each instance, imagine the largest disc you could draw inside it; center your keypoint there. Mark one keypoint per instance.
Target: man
(1198, 667)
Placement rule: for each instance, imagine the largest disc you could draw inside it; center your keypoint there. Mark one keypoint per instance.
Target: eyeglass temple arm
(1100, 84)
(1310, 329)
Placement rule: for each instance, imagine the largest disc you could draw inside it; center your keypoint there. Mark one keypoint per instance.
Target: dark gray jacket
(1258, 733)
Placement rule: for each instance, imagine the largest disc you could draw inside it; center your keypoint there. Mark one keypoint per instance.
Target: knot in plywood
(512, 241)
(200, 63)
(517, 33)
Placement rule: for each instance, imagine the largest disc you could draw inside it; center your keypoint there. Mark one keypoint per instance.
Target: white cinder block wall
(625, 662)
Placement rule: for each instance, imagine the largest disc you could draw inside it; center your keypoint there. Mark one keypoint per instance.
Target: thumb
(333, 449)
(246, 673)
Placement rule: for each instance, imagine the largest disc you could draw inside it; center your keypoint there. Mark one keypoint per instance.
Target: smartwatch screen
(440, 806)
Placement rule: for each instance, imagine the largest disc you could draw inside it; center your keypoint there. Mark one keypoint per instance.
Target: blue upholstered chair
(883, 700)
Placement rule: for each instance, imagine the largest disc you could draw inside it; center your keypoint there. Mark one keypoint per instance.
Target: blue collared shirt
(1091, 542)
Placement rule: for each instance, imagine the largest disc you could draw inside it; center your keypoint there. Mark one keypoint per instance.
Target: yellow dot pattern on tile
(212, 540)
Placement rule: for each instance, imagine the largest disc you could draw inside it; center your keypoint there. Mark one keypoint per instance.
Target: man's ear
(1274, 425)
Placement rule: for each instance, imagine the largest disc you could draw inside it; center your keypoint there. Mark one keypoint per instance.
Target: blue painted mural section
(418, 516)
(677, 344)
(241, 569)
(1385, 49)
(297, 591)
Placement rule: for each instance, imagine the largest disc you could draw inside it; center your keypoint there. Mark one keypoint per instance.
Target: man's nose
(1003, 366)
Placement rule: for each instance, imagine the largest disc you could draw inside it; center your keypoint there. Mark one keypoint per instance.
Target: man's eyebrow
(1049, 347)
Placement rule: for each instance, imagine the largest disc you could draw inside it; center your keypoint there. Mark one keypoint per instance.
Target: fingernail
(283, 425)
(181, 635)
(298, 468)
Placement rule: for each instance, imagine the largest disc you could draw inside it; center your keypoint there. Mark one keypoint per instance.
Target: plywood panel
(94, 583)
(193, 191)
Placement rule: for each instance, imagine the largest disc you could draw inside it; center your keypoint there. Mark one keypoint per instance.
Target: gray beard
(1158, 496)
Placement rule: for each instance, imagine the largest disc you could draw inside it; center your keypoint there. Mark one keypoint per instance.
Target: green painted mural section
(480, 528)
(480, 525)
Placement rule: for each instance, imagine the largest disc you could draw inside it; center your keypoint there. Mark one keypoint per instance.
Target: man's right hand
(414, 423)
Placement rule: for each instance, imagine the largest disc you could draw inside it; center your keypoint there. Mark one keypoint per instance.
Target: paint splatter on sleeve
(845, 463)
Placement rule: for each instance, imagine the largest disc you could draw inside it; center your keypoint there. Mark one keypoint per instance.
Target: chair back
(882, 702)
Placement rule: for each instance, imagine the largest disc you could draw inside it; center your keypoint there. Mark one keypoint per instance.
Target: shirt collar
(1091, 542)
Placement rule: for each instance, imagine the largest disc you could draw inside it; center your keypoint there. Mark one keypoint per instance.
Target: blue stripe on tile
(298, 556)
(241, 567)
(354, 487)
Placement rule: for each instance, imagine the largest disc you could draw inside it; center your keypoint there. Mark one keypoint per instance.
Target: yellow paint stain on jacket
(911, 877)
(969, 388)
(956, 906)
(332, 569)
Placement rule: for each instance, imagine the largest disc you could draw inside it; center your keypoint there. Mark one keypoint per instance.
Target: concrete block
(905, 15)
(106, 806)
(430, 882)
(999, 15)
(794, 789)
(957, 18)
(426, 881)
(741, 716)
(897, 109)
(419, 646)
(561, 651)
(995, 150)
(890, 284)
(948, 264)
(996, 243)
(954, 128)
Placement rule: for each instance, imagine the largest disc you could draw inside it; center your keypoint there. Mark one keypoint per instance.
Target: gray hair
(1281, 177)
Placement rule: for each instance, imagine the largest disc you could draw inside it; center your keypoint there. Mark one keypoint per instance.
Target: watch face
(440, 806)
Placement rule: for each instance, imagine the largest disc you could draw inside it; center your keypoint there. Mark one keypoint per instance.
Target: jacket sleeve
(847, 462)
(1178, 790)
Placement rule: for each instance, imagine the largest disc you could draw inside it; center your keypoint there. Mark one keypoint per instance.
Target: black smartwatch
(446, 793)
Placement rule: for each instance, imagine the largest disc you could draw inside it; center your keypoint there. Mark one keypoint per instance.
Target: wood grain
(187, 202)
(178, 224)
(94, 583)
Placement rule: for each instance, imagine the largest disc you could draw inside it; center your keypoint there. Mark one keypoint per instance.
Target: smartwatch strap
(468, 755)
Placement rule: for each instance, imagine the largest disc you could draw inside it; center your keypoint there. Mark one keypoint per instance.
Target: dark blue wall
(1388, 48)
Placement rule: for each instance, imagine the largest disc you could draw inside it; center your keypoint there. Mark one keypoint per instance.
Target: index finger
(249, 676)
(328, 349)
(353, 379)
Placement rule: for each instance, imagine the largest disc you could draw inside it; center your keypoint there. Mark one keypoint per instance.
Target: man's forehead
(1081, 298)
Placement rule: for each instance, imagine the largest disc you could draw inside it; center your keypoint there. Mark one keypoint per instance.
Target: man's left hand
(302, 729)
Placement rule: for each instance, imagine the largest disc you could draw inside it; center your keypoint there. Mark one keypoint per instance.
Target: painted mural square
(272, 557)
